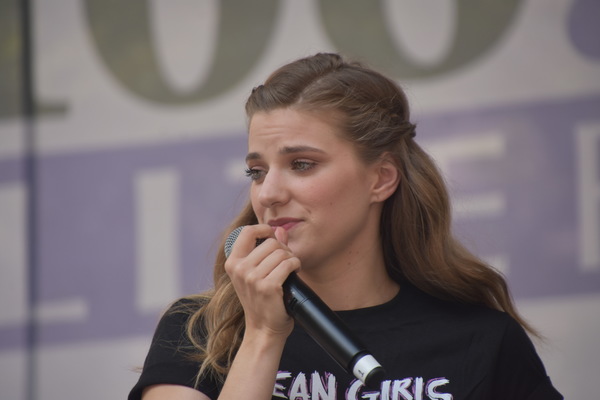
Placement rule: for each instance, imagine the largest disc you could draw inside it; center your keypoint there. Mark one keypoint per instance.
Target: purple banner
(86, 207)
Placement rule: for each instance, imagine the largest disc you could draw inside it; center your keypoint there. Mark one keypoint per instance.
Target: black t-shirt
(431, 349)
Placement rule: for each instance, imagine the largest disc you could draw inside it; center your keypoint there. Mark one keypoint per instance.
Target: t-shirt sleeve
(168, 360)
(520, 373)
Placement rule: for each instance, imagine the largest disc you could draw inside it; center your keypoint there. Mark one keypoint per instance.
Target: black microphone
(324, 326)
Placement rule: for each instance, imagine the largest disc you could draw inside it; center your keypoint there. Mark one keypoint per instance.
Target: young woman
(346, 198)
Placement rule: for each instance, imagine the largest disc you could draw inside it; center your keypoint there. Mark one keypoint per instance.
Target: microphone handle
(323, 325)
(329, 331)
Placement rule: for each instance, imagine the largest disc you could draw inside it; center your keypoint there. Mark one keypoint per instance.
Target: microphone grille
(233, 237)
(231, 240)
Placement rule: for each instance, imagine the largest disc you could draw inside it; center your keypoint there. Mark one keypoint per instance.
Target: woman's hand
(257, 274)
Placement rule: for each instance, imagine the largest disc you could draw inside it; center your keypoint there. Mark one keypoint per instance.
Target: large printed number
(358, 27)
(122, 34)
(11, 65)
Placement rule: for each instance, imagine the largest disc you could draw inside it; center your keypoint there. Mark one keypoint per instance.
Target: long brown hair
(415, 223)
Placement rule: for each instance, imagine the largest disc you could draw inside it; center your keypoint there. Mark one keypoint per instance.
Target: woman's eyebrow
(299, 149)
(253, 156)
(286, 150)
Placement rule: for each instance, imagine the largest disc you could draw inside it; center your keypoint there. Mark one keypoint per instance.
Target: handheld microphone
(324, 326)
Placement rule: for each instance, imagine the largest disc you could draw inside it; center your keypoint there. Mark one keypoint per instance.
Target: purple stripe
(86, 210)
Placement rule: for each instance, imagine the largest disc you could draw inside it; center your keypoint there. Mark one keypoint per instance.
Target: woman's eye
(254, 173)
(302, 165)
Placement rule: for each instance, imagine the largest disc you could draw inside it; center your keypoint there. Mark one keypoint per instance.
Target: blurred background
(122, 139)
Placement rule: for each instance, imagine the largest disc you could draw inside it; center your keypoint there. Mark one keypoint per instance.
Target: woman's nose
(273, 190)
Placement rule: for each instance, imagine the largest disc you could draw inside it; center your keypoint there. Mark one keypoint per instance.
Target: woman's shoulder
(187, 305)
(172, 357)
(419, 305)
(416, 308)
(174, 320)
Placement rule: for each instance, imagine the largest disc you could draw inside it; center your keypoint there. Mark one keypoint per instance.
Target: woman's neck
(352, 282)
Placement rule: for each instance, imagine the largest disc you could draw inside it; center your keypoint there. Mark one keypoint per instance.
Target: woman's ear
(387, 178)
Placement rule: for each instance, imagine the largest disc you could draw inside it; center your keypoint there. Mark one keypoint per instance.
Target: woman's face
(310, 181)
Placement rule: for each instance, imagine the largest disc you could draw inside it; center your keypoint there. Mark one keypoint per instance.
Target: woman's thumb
(281, 235)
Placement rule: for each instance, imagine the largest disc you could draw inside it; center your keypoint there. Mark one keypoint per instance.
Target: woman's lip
(285, 223)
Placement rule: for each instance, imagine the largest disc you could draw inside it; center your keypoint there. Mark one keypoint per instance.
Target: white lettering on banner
(157, 239)
(472, 147)
(13, 271)
(588, 174)
(233, 171)
(490, 204)
(63, 310)
(499, 261)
